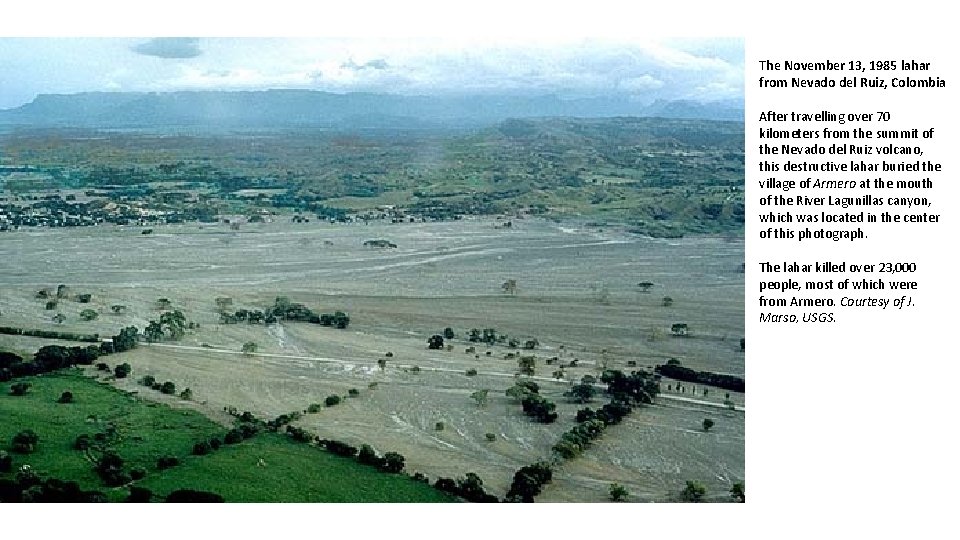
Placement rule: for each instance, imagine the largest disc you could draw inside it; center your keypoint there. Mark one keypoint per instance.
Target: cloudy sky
(703, 69)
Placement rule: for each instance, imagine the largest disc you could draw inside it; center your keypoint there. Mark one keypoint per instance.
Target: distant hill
(305, 108)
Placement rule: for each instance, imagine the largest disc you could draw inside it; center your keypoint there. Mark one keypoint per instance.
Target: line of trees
(674, 370)
(50, 334)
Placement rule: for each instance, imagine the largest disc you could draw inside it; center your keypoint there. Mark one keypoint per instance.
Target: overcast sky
(703, 69)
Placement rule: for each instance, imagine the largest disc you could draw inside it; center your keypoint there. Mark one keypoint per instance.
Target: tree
(66, 397)
(6, 462)
(164, 303)
(117, 309)
(527, 365)
(581, 393)
(19, 389)
(25, 442)
(738, 493)
(50, 305)
(448, 333)
(694, 492)
(122, 370)
(249, 348)
(645, 286)
(202, 448)
(509, 286)
(340, 320)
(679, 329)
(368, 456)
(332, 400)
(392, 462)
(382, 363)
(435, 342)
(491, 436)
(707, 424)
(153, 332)
(148, 380)
(89, 314)
(168, 387)
(139, 495)
(480, 396)
(618, 493)
(110, 469)
(166, 462)
(186, 395)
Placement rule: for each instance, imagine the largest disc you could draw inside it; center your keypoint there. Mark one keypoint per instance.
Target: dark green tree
(738, 492)
(618, 493)
(435, 342)
(693, 492)
(392, 462)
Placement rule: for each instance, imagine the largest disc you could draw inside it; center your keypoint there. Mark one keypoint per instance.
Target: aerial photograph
(372, 270)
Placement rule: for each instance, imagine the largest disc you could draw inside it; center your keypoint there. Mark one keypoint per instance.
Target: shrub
(471, 372)
(168, 388)
(233, 436)
(392, 462)
(202, 448)
(66, 397)
(331, 401)
(435, 342)
(122, 370)
(314, 408)
(368, 456)
(82, 442)
(6, 461)
(19, 389)
(215, 443)
(438, 426)
(248, 430)
(707, 424)
(694, 492)
(89, 314)
(50, 305)
(148, 380)
(167, 462)
(186, 395)
(618, 493)
(138, 473)
(491, 436)
(353, 392)
(103, 367)
(139, 495)
(339, 448)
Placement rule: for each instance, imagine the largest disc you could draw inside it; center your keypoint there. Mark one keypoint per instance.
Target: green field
(146, 431)
(292, 472)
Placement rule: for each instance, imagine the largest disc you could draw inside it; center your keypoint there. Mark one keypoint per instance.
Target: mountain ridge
(308, 108)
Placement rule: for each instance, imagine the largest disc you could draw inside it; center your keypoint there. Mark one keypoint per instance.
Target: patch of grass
(291, 472)
(146, 430)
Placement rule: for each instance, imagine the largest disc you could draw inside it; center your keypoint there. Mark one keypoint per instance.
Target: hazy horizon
(642, 71)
